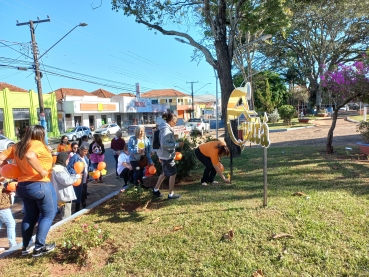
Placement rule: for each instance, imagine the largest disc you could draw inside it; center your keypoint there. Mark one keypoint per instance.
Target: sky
(112, 47)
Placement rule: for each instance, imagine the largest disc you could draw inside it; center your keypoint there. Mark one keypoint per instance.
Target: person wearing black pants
(209, 154)
(117, 145)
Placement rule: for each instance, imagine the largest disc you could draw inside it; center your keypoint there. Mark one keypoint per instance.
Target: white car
(108, 129)
(5, 142)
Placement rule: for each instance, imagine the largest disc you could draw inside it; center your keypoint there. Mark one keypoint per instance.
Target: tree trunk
(224, 70)
(329, 147)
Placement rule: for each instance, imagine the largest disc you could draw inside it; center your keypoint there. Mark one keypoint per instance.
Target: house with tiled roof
(128, 94)
(11, 87)
(19, 108)
(103, 93)
(179, 102)
(63, 92)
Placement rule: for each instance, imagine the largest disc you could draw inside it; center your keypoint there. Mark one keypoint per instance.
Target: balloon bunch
(150, 170)
(100, 171)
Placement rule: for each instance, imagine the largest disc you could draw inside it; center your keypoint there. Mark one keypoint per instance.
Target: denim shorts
(169, 167)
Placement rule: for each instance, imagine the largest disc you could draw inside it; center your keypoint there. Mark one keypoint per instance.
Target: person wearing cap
(81, 190)
(117, 145)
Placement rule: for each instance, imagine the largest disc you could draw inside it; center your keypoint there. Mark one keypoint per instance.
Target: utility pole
(37, 70)
(193, 107)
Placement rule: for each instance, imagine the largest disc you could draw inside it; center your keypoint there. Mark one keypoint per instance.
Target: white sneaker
(204, 184)
(215, 182)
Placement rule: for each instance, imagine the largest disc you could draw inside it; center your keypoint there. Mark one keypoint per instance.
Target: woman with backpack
(166, 154)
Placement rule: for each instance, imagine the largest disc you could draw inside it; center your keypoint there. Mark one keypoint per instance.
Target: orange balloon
(10, 171)
(12, 186)
(178, 156)
(221, 167)
(96, 174)
(152, 170)
(54, 159)
(78, 167)
(101, 165)
(77, 183)
(147, 173)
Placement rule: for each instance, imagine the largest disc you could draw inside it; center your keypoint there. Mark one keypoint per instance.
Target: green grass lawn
(295, 124)
(329, 224)
(359, 117)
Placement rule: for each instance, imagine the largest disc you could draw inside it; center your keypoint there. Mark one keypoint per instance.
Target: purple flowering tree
(344, 84)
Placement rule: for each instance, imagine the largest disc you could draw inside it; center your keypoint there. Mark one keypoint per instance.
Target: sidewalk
(97, 192)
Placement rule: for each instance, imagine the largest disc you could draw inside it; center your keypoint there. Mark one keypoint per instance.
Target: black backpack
(156, 140)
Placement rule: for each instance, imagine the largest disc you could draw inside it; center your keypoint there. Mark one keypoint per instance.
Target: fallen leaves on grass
(299, 193)
(282, 235)
(155, 220)
(258, 273)
(176, 228)
(229, 235)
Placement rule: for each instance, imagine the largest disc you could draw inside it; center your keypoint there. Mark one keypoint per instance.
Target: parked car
(107, 129)
(75, 133)
(199, 124)
(5, 142)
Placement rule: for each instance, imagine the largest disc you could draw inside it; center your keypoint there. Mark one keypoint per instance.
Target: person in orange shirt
(209, 154)
(34, 160)
(64, 145)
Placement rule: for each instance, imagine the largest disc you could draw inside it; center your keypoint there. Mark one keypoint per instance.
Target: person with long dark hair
(209, 154)
(83, 140)
(64, 145)
(117, 145)
(34, 160)
(97, 151)
(166, 154)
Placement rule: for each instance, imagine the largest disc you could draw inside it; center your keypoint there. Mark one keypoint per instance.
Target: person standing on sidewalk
(34, 161)
(166, 154)
(117, 145)
(6, 215)
(63, 182)
(81, 190)
(97, 151)
(64, 145)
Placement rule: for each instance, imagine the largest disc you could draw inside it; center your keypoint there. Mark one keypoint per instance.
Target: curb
(60, 223)
(290, 129)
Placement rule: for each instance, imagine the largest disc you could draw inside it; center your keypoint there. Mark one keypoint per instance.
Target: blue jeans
(38, 198)
(7, 218)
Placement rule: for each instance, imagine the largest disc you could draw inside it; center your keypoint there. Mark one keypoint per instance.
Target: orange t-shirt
(209, 149)
(27, 171)
(63, 148)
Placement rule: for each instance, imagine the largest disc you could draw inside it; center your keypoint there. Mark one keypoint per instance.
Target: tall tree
(217, 20)
(344, 84)
(322, 32)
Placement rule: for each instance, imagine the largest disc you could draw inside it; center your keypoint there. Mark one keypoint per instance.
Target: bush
(187, 163)
(363, 129)
(274, 116)
(287, 112)
(79, 240)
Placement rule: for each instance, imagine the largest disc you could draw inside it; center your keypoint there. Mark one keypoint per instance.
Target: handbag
(143, 162)
(5, 199)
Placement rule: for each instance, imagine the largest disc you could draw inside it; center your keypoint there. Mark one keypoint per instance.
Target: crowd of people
(46, 187)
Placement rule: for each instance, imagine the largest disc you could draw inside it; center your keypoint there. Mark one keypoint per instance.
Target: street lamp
(37, 66)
